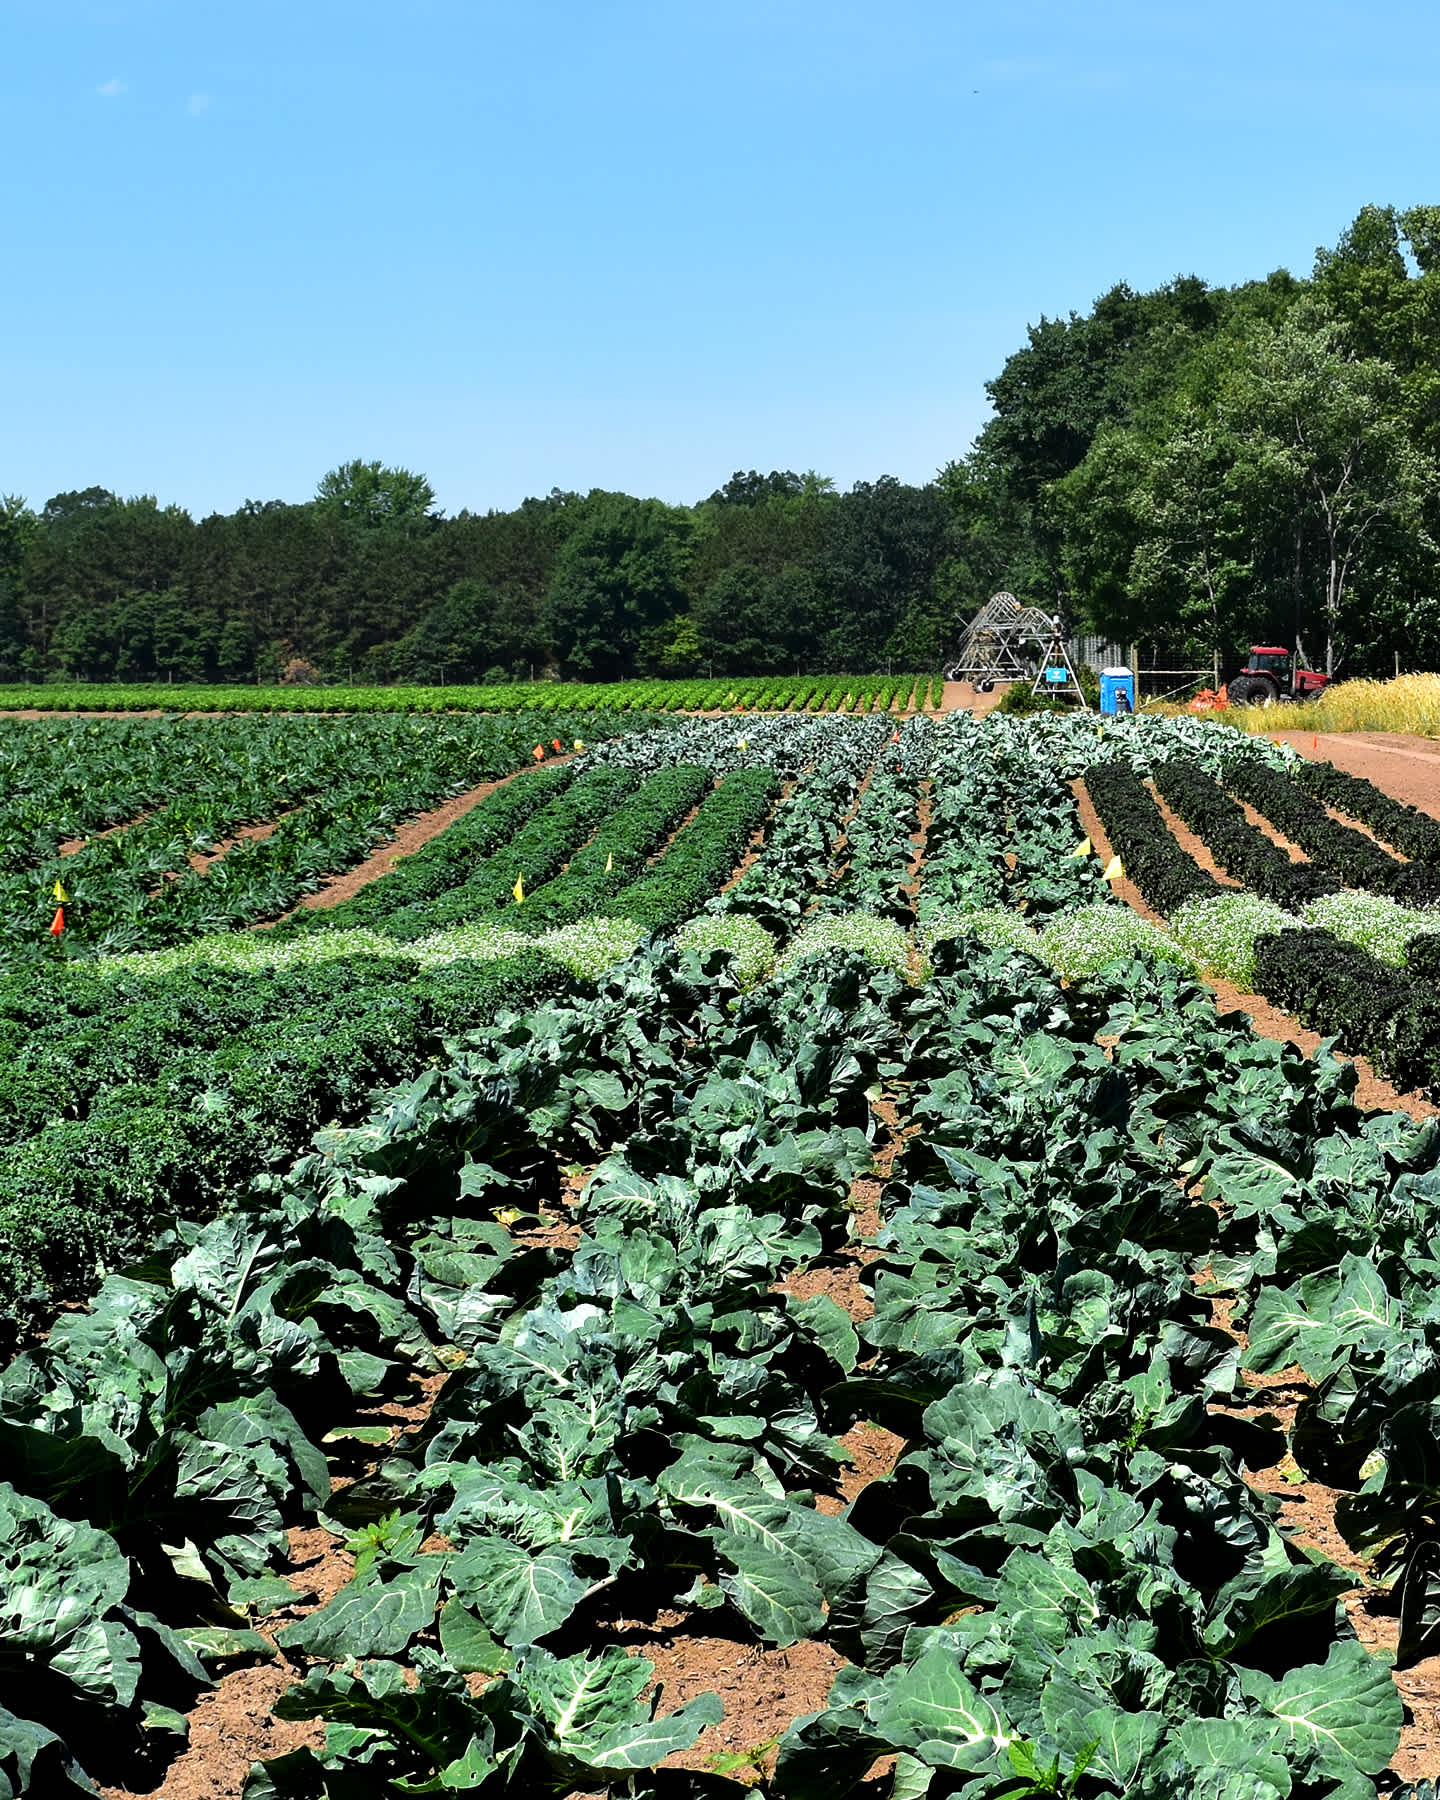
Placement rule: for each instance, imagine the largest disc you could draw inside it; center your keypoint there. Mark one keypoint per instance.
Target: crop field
(749, 1261)
(766, 693)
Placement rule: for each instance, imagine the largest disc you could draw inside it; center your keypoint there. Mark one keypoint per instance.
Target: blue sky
(631, 245)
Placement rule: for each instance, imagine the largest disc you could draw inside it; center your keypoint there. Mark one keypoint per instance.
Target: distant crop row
(769, 693)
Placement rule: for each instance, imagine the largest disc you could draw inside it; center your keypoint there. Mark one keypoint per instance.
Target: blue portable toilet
(1117, 691)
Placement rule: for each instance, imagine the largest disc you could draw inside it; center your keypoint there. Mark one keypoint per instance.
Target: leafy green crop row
(773, 693)
(800, 836)
(1065, 1567)
(702, 857)
(1414, 833)
(331, 789)
(1241, 849)
(1358, 860)
(447, 860)
(1166, 875)
(1386, 1014)
(117, 1127)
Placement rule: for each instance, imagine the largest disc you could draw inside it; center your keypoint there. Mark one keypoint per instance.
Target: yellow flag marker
(61, 897)
(519, 890)
(610, 862)
(1114, 869)
(742, 743)
(579, 745)
(1082, 848)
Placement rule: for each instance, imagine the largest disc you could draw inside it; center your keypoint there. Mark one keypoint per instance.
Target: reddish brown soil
(960, 696)
(200, 861)
(1188, 841)
(71, 845)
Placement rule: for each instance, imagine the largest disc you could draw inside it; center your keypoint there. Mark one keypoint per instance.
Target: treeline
(770, 575)
(1192, 469)
(1203, 468)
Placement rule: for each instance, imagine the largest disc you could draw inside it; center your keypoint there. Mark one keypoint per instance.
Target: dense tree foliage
(1191, 469)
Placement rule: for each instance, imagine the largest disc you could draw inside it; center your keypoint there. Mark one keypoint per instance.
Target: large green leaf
(1346, 1709)
(932, 1709)
(373, 1618)
(521, 1594)
(774, 1589)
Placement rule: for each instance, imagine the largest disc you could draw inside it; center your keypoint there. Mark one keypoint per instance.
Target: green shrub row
(616, 855)
(1388, 1015)
(701, 858)
(1241, 849)
(1414, 833)
(533, 856)
(446, 860)
(1166, 875)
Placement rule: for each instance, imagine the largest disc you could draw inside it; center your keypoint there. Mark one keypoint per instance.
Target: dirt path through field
(960, 696)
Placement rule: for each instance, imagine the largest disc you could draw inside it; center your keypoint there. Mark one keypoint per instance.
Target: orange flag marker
(57, 924)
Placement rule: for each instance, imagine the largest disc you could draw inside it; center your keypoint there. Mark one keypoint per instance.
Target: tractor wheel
(1252, 690)
(987, 687)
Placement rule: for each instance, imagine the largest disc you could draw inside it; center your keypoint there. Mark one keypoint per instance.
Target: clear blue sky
(604, 243)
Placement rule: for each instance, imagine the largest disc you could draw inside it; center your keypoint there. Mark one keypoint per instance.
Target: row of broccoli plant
(1080, 1592)
(800, 836)
(1130, 1621)
(186, 1408)
(879, 849)
(1357, 859)
(1003, 829)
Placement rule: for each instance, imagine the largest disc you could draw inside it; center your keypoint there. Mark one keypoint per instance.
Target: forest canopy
(1191, 469)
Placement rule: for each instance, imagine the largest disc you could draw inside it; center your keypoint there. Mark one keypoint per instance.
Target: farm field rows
(739, 1261)
(766, 693)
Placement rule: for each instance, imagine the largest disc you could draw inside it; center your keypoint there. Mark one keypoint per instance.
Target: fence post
(1135, 672)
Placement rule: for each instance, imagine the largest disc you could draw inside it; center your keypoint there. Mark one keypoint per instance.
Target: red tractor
(1271, 674)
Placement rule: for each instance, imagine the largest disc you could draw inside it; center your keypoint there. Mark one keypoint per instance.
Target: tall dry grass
(1409, 703)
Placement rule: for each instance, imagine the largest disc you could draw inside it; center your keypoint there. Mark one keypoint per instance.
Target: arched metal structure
(996, 645)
